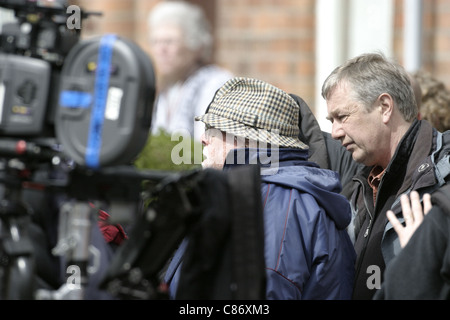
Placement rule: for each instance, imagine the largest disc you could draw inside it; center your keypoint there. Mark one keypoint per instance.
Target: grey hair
(370, 75)
(192, 21)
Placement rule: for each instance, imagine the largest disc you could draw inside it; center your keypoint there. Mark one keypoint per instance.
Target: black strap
(248, 233)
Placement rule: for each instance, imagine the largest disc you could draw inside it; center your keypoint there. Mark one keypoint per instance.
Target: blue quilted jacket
(308, 252)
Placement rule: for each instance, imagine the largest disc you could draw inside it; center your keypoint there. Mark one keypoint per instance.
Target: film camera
(93, 97)
(69, 110)
(89, 103)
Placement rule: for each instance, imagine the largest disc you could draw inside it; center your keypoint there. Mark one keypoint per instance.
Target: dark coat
(376, 243)
(422, 269)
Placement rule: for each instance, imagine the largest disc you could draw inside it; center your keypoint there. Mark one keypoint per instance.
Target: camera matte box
(106, 99)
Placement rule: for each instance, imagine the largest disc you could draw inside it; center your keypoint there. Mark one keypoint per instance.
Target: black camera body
(73, 114)
(32, 53)
(24, 87)
(93, 97)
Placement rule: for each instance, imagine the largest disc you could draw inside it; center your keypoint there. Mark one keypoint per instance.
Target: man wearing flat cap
(308, 253)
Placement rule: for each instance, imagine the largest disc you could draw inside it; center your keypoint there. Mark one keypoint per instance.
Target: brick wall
(435, 37)
(272, 39)
(268, 39)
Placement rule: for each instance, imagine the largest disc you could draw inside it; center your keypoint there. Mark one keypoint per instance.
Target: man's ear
(386, 104)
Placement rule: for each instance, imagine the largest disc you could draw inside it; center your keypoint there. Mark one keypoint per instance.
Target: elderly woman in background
(181, 47)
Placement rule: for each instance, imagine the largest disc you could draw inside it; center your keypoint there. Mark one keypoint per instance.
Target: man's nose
(204, 140)
(337, 132)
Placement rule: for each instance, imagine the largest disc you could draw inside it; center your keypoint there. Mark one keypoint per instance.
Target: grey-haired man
(373, 111)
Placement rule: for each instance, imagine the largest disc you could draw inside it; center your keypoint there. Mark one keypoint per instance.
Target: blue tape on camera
(94, 142)
(75, 99)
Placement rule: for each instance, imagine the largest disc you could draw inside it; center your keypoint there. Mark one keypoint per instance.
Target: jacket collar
(404, 150)
(279, 157)
(422, 146)
(413, 149)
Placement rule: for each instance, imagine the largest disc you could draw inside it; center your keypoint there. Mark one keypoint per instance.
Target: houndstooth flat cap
(256, 110)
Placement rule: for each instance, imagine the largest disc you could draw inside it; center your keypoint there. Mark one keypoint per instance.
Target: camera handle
(74, 237)
(17, 268)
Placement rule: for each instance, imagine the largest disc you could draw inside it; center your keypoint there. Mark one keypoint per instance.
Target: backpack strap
(442, 167)
(442, 198)
(440, 159)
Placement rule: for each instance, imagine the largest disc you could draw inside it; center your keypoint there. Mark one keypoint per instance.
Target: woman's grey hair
(370, 75)
(192, 21)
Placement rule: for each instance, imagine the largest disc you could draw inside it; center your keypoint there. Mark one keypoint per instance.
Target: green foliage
(161, 153)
